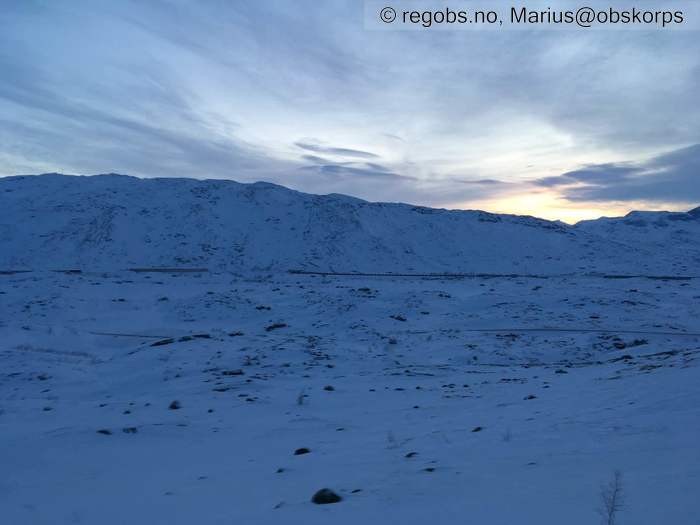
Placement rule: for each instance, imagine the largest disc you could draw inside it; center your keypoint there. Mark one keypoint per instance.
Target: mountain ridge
(111, 220)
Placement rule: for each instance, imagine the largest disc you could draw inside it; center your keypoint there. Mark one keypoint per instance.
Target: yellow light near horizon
(548, 205)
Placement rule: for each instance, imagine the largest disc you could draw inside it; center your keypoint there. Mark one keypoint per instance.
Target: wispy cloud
(301, 94)
(342, 152)
(594, 174)
(671, 177)
(481, 182)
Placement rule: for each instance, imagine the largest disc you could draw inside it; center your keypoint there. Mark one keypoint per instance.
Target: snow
(570, 377)
(115, 222)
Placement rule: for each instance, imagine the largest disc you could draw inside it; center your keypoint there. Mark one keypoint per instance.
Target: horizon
(312, 97)
(691, 208)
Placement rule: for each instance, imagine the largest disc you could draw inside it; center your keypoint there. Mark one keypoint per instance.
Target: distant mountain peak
(695, 212)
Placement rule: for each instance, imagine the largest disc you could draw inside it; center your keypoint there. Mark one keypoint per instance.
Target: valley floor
(182, 398)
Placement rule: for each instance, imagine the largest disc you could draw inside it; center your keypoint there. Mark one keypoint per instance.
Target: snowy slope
(677, 235)
(111, 222)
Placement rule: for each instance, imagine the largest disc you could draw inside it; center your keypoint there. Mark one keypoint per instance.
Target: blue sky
(560, 124)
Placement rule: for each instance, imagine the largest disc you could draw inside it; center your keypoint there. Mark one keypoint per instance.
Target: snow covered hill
(110, 222)
(677, 235)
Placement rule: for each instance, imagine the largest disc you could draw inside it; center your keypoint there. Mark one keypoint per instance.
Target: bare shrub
(611, 498)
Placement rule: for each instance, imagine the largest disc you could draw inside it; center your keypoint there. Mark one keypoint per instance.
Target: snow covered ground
(475, 400)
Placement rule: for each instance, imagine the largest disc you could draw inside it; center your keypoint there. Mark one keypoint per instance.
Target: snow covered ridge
(109, 222)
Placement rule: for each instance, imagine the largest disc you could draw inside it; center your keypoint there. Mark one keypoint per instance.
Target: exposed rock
(237, 372)
(163, 342)
(325, 496)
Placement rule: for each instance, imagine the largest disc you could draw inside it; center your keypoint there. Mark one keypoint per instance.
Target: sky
(564, 125)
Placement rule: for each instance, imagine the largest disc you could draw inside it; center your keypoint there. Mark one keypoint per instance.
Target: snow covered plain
(431, 418)
(166, 397)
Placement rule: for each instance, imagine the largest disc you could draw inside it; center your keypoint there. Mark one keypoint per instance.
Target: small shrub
(611, 497)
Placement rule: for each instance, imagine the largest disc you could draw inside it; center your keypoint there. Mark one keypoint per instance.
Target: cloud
(315, 159)
(593, 174)
(351, 169)
(258, 90)
(376, 181)
(481, 182)
(670, 177)
(342, 152)
(86, 134)
(341, 170)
